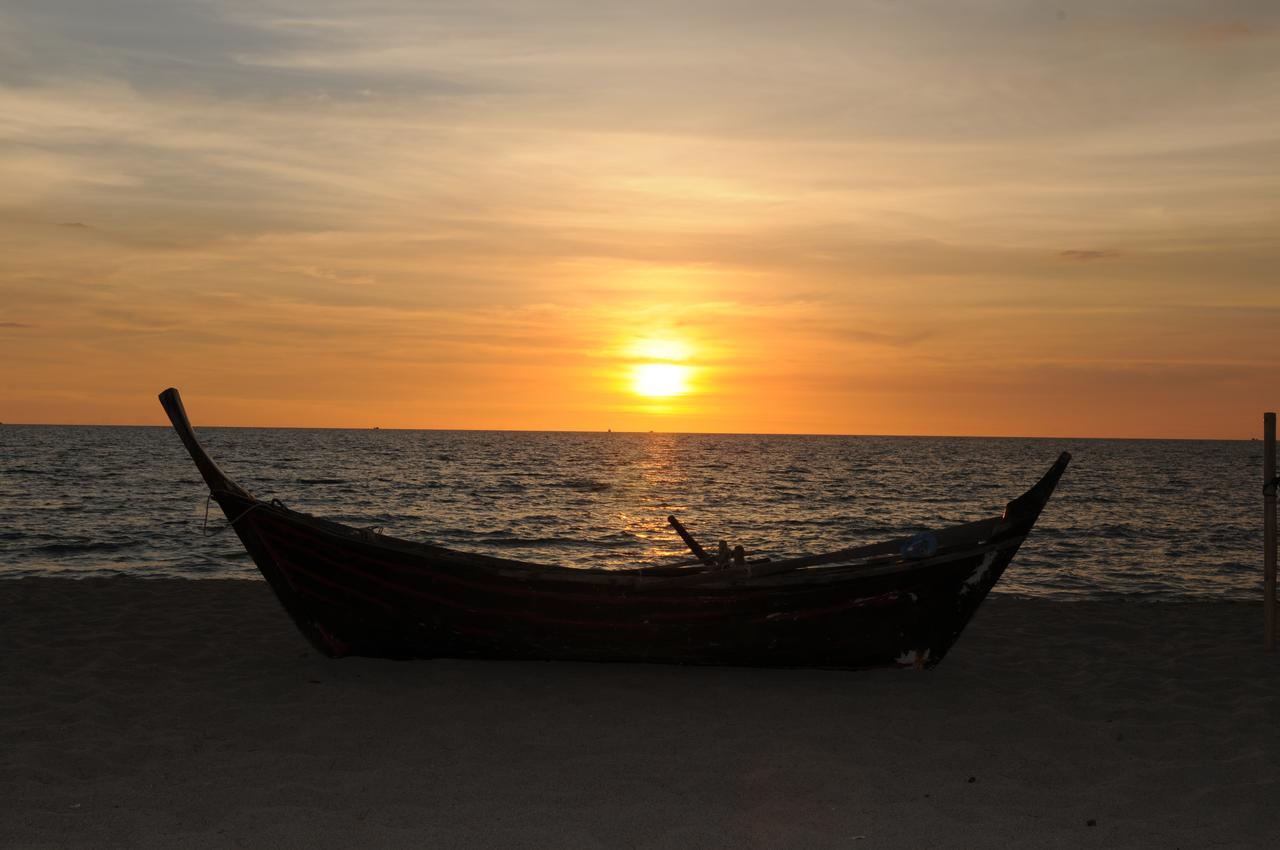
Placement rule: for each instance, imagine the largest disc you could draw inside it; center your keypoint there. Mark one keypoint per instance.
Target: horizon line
(654, 431)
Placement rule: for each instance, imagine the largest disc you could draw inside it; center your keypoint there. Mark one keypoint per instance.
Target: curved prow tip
(1031, 503)
(212, 474)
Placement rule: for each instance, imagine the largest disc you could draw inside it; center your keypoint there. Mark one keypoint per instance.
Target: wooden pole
(1269, 530)
(698, 551)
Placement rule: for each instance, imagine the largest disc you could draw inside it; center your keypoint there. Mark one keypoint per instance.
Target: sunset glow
(892, 218)
(662, 348)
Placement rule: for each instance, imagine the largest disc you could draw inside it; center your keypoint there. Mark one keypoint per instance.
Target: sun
(659, 370)
(660, 380)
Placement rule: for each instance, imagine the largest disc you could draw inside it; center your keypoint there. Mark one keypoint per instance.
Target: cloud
(1224, 33)
(1087, 255)
(15, 325)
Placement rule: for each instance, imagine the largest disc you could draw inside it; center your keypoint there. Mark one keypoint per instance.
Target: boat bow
(213, 475)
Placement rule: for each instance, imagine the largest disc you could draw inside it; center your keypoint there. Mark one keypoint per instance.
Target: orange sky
(898, 218)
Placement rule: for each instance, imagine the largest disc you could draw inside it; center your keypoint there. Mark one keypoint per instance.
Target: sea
(1149, 519)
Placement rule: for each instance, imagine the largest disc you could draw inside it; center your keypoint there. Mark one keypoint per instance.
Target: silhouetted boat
(353, 591)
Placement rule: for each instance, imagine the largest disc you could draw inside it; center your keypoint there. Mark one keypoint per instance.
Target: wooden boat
(352, 591)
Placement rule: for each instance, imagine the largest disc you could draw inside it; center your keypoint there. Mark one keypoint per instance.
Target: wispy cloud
(1221, 33)
(1086, 255)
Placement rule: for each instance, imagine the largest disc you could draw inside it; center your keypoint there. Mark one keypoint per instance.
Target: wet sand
(190, 713)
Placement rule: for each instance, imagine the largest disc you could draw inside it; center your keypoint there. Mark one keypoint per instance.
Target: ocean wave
(584, 485)
(83, 547)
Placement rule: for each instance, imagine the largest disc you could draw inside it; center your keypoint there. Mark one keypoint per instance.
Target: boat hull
(354, 596)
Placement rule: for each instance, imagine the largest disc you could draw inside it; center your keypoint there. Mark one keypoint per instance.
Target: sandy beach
(190, 713)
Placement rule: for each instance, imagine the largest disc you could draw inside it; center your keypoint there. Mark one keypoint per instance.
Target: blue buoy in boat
(923, 545)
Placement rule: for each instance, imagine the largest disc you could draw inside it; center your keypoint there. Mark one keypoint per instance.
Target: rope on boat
(204, 529)
(231, 522)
